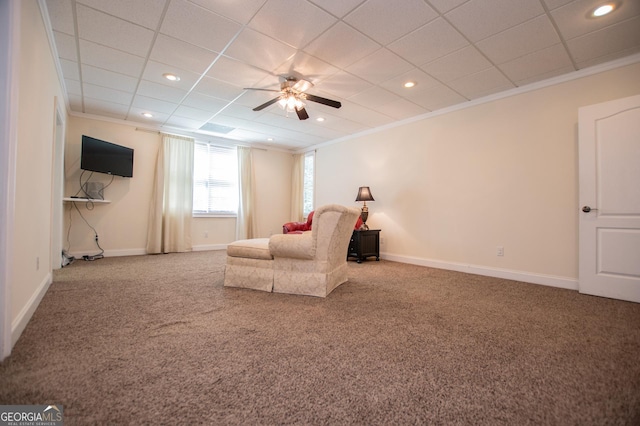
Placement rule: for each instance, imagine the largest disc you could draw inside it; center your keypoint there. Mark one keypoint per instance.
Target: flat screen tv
(106, 157)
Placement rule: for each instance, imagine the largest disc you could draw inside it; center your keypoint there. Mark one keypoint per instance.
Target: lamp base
(363, 227)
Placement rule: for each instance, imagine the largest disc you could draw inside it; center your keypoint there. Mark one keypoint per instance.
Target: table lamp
(364, 194)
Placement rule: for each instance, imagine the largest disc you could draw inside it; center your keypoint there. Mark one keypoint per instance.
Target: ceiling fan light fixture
(290, 103)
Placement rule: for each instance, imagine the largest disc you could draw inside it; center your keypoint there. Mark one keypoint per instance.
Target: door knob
(587, 209)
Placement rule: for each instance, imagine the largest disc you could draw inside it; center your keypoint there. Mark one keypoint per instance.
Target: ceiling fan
(292, 96)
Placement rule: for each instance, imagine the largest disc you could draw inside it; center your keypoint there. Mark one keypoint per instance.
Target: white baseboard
(208, 247)
(21, 321)
(527, 277)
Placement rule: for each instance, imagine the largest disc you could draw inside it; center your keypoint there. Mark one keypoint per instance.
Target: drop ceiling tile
(61, 16)
(296, 26)
(154, 72)
(308, 67)
(338, 8)
(537, 63)
(239, 11)
(336, 122)
(153, 105)
(481, 84)
(609, 57)
(545, 75)
(183, 123)
(106, 94)
(363, 115)
(444, 6)
(75, 103)
(193, 113)
(436, 97)
(535, 34)
(430, 42)
(204, 102)
(419, 77)
(198, 26)
(457, 65)
(161, 91)
(553, 4)
(380, 66)
(169, 50)
(344, 85)
(386, 21)
(341, 46)
(254, 48)
(106, 78)
(66, 46)
(70, 69)
(113, 32)
(624, 35)
(401, 109)
(236, 72)
(241, 111)
(218, 89)
(110, 59)
(573, 19)
(73, 87)
(374, 98)
(479, 19)
(104, 108)
(142, 12)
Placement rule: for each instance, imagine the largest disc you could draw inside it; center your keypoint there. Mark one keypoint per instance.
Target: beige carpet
(159, 340)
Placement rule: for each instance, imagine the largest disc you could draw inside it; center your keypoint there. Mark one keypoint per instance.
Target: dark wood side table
(364, 244)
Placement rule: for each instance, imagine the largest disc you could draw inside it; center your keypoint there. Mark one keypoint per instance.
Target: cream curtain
(297, 188)
(172, 199)
(246, 226)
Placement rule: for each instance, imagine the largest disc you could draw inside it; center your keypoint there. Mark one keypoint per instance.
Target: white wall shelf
(85, 200)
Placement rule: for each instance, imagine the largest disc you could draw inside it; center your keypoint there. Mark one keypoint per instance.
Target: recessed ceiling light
(270, 139)
(602, 10)
(409, 84)
(320, 119)
(171, 77)
(147, 114)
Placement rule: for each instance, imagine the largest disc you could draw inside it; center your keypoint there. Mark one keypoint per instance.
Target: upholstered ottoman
(249, 265)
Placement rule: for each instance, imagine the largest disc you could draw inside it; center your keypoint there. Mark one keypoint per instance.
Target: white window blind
(215, 180)
(309, 175)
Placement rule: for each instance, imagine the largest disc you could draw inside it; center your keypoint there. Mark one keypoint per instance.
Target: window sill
(209, 215)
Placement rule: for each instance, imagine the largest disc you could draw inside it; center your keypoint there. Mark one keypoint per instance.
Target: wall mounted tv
(106, 157)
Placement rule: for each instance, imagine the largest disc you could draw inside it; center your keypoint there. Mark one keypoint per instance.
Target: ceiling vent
(216, 128)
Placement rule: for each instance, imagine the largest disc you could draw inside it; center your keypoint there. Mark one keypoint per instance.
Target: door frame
(9, 81)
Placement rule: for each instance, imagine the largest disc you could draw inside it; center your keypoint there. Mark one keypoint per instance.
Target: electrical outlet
(381, 240)
(37, 263)
(499, 251)
(206, 234)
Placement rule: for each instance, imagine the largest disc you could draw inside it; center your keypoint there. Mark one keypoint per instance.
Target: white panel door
(609, 168)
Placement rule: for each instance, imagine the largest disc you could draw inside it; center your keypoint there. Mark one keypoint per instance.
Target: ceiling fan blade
(266, 104)
(263, 90)
(302, 113)
(323, 101)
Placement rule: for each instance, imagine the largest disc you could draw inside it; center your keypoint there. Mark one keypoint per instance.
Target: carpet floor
(159, 340)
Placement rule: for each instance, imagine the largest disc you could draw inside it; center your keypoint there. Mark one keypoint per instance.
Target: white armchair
(314, 263)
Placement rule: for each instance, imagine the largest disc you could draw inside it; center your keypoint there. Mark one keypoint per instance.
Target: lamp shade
(364, 194)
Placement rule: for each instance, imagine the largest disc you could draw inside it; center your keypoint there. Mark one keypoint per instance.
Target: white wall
(38, 91)
(451, 188)
(122, 224)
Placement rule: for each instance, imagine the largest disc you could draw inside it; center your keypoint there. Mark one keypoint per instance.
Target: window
(309, 165)
(215, 180)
